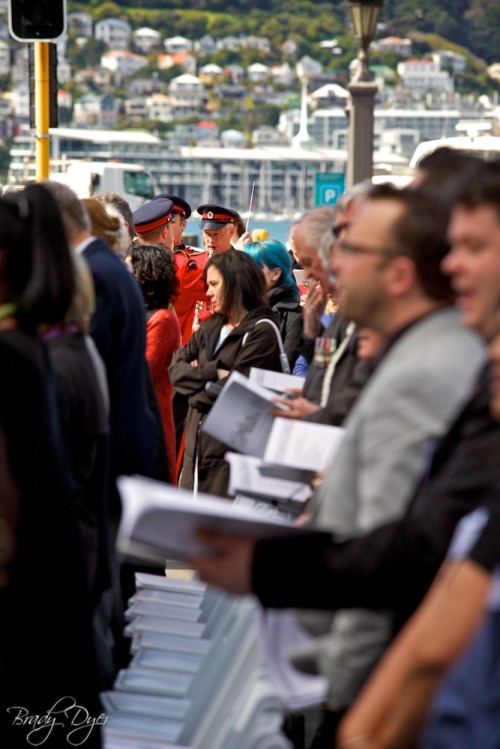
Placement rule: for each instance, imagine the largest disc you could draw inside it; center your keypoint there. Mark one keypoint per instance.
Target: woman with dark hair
(155, 272)
(237, 337)
(282, 291)
(46, 649)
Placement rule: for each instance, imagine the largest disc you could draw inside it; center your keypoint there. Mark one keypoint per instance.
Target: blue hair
(273, 254)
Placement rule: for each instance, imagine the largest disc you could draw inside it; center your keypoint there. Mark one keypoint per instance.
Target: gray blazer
(408, 403)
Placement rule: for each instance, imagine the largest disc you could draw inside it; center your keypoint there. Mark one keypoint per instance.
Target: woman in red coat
(155, 272)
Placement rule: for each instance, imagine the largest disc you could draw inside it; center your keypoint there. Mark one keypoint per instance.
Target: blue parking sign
(329, 187)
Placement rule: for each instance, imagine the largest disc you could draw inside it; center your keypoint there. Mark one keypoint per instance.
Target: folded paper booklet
(241, 419)
(276, 381)
(159, 520)
(246, 479)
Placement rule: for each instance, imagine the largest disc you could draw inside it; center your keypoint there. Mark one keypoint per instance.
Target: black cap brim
(212, 225)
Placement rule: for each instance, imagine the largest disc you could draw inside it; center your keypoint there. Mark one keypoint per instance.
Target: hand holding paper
(229, 563)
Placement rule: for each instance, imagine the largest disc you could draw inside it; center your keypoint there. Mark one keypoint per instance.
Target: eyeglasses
(348, 248)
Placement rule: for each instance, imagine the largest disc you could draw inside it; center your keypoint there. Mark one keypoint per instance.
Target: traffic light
(37, 20)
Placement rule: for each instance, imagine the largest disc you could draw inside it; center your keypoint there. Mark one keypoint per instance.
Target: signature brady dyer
(66, 718)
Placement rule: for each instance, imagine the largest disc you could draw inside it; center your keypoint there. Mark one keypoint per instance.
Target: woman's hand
(194, 363)
(222, 373)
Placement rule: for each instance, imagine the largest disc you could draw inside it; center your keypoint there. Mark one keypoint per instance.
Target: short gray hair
(74, 214)
(319, 223)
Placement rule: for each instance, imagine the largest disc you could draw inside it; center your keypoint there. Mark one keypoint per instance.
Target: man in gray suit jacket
(389, 277)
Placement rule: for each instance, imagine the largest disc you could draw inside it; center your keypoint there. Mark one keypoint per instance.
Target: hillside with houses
(207, 86)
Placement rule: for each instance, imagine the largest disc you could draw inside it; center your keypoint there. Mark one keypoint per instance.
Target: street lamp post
(362, 89)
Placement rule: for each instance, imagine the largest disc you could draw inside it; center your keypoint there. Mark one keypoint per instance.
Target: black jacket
(283, 301)
(248, 345)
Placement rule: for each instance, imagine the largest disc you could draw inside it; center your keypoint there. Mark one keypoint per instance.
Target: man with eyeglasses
(389, 278)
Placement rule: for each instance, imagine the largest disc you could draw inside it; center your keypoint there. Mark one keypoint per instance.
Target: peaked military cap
(180, 206)
(152, 215)
(215, 216)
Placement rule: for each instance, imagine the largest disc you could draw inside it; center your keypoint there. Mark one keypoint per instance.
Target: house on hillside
(174, 44)
(395, 44)
(80, 24)
(258, 73)
(95, 111)
(159, 107)
(446, 58)
(185, 60)
(205, 45)
(114, 32)
(307, 67)
(188, 96)
(4, 58)
(123, 62)
(210, 73)
(421, 76)
(146, 40)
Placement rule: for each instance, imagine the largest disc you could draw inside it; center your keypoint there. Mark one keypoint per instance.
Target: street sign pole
(42, 110)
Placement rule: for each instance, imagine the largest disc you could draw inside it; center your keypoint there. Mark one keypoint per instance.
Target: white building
(20, 72)
(233, 139)
(282, 75)
(329, 95)
(4, 58)
(158, 107)
(146, 39)
(123, 62)
(176, 44)
(420, 76)
(64, 73)
(21, 100)
(210, 72)
(258, 73)
(187, 95)
(114, 32)
(308, 68)
(395, 44)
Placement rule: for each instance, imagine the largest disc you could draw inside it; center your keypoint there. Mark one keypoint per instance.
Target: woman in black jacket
(232, 339)
(282, 291)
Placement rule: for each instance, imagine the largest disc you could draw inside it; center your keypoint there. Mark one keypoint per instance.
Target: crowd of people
(116, 341)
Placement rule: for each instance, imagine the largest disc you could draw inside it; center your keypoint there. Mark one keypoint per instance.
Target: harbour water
(276, 229)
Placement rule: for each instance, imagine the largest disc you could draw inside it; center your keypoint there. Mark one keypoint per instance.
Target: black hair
(446, 171)
(244, 283)
(483, 190)
(421, 234)
(154, 269)
(36, 263)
